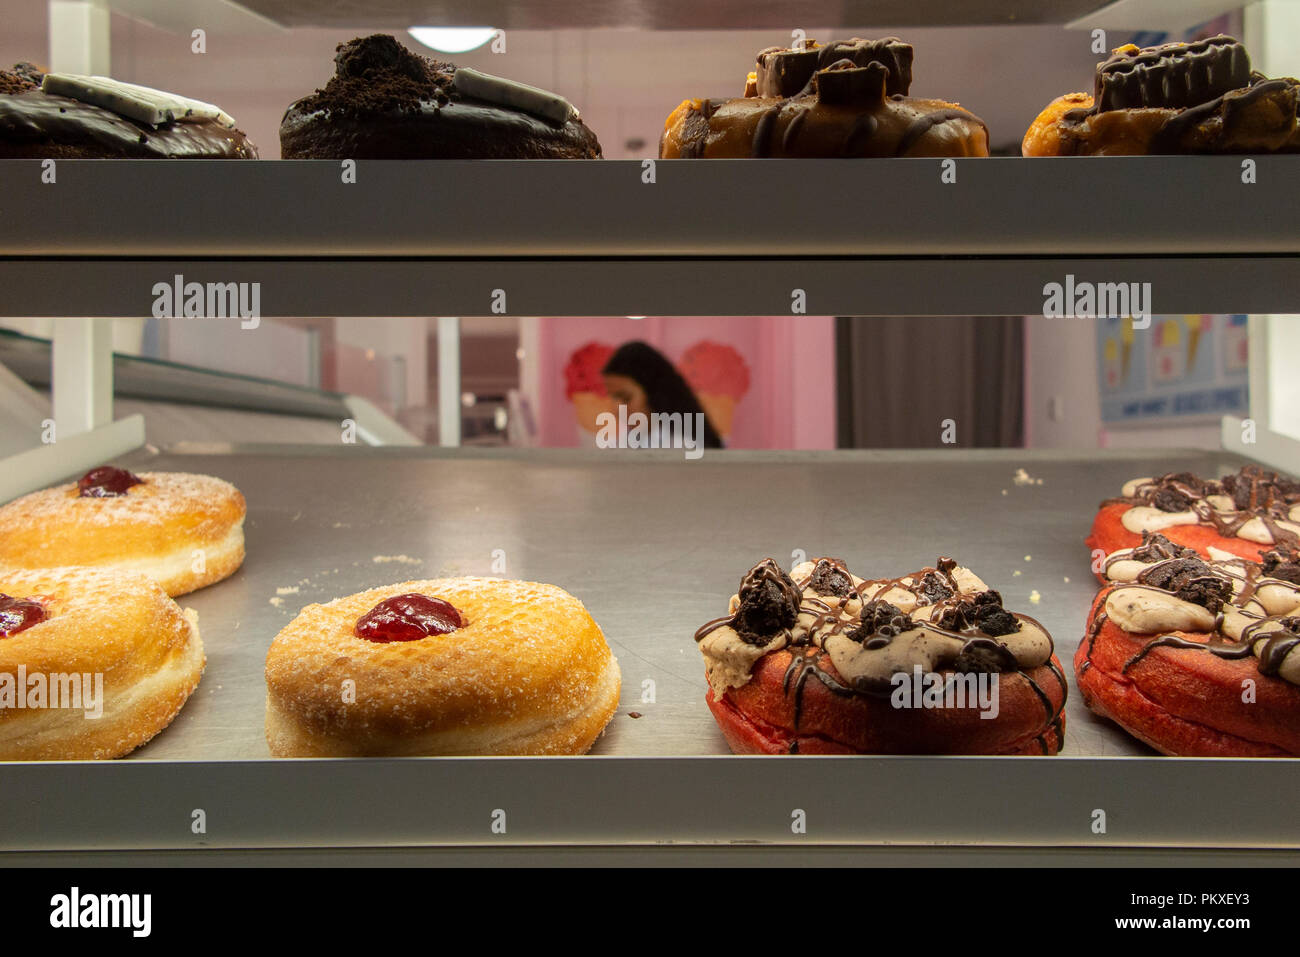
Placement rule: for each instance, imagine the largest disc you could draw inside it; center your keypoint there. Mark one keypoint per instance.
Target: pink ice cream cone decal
(719, 376)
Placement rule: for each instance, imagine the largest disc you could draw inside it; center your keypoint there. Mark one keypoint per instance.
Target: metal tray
(654, 545)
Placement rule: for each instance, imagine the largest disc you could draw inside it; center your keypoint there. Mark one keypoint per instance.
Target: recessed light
(453, 39)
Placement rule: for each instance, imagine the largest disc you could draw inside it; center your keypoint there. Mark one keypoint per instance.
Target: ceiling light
(453, 39)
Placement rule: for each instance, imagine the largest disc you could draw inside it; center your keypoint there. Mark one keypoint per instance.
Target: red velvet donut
(760, 717)
(1184, 701)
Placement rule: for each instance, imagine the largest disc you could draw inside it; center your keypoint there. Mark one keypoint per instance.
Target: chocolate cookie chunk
(829, 577)
(984, 656)
(769, 601)
(1156, 548)
(932, 588)
(879, 623)
(1191, 580)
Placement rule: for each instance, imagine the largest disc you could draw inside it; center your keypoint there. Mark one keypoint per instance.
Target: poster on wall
(1181, 368)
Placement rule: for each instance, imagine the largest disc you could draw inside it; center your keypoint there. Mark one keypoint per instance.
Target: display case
(652, 542)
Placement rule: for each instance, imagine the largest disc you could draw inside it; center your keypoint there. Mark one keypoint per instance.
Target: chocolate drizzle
(926, 122)
(1223, 588)
(1171, 76)
(771, 603)
(854, 75)
(1198, 83)
(1254, 492)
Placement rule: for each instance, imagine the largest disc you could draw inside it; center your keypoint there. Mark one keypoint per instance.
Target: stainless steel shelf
(653, 545)
(651, 287)
(1114, 207)
(666, 14)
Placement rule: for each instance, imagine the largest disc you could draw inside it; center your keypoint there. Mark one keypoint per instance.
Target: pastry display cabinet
(652, 544)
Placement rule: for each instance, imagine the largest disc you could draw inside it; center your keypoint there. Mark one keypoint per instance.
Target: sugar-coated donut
(184, 531)
(1246, 514)
(93, 663)
(1197, 658)
(823, 662)
(455, 666)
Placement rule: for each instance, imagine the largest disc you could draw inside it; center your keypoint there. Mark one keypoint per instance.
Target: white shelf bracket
(448, 381)
(82, 384)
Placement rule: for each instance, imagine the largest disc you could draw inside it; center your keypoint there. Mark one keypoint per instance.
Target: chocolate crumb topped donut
(1246, 513)
(819, 661)
(1197, 657)
(63, 116)
(844, 99)
(385, 102)
(1199, 97)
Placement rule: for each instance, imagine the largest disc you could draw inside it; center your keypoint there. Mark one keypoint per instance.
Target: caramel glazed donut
(813, 663)
(1245, 514)
(453, 666)
(1194, 657)
(844, 99)
(1197, 97)
(183, 531)
(93, 663)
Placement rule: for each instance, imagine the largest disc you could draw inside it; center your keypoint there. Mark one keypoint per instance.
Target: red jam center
(408, 618)
(19, 614)
(106, 482)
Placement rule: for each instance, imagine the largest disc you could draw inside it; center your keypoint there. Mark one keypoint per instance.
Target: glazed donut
(1197, 658)
(1246, 514)
(385, 102)
(1197, 97)
(463, 666)
(184, 531)
(93, 663)
(843, 99)
(823, 662)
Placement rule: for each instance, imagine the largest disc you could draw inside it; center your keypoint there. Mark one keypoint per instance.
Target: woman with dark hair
(639, 377)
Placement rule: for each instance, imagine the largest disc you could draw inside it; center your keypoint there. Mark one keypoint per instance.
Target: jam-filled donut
(842, 99)
(453, 666)
(1199, 97)
(184, 531)
(1246, 513)
(1194, 657)
(823, 662)
(385, 102)
(93, 663)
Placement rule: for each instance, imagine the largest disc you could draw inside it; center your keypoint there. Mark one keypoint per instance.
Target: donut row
(96, 658)
(1193, 642)
(842, 99)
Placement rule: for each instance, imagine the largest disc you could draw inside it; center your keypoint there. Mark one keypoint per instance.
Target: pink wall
(790, 402)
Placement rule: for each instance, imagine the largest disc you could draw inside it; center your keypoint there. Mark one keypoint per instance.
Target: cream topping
(1253, 613)
(867, 662)
(1270, 512)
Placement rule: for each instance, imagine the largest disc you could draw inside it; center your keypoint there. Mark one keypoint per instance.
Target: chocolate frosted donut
(59, 116)
(842, 99)
(1197, 97)
(385, 102)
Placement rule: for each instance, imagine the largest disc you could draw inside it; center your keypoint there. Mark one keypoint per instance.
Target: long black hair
(665, 389)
